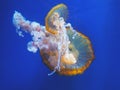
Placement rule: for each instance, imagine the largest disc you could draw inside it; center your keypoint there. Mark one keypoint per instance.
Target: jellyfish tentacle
(52, 72)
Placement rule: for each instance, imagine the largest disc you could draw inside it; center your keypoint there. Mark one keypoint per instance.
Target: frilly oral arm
(21, 23)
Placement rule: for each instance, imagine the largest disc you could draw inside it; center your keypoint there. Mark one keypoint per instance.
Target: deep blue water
(98, 19)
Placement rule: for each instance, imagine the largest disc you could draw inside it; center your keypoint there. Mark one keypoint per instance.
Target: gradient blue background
(98, 19)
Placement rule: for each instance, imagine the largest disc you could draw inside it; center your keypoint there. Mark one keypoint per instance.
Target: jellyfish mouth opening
(68, 59)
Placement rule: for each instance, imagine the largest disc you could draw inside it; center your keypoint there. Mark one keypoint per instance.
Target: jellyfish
(63, 49)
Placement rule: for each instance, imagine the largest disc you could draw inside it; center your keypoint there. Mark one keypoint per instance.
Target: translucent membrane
(79, 54)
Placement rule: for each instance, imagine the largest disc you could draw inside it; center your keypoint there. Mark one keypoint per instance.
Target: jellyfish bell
(78, 53)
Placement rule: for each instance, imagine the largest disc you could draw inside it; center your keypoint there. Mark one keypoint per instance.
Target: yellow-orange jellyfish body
(80, 47)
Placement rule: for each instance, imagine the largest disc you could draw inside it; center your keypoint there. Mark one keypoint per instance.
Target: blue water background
(98, 19)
